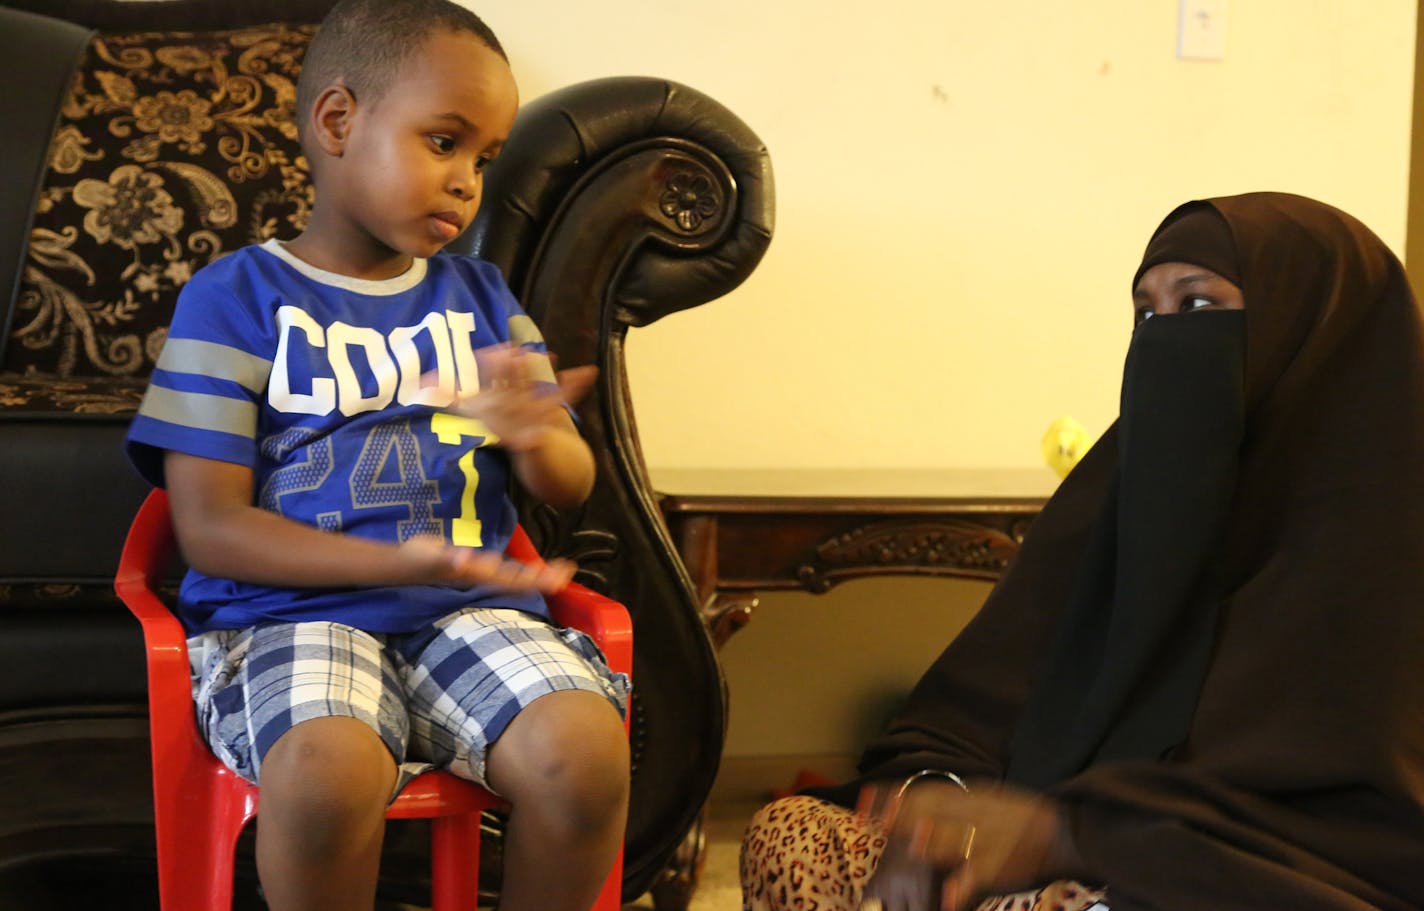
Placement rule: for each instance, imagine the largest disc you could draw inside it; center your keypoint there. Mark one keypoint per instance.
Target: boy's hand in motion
(518, 403)
(456, 565)
(515, 403)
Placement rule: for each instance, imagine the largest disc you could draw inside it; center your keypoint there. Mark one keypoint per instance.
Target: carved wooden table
(740, 532)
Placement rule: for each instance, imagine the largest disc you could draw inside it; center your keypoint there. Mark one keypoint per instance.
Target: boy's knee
(566, 752)
(328, 769)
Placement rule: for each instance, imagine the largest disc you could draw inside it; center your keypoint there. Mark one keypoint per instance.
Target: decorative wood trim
(946, 547)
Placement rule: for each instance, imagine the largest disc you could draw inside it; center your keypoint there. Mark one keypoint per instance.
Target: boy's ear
(331, 116)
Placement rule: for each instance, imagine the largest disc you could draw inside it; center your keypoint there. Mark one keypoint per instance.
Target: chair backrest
(174, 143)
(149, 547)
(148, 555)
(188, 780)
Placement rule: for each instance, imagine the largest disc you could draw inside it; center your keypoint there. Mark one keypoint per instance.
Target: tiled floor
(743, 785)
(719, 888)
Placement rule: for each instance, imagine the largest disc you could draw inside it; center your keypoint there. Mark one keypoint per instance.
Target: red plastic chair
(200, 806)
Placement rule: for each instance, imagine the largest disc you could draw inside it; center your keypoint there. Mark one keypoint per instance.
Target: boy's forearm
(558, 470)
(222, 534)
(253, 545)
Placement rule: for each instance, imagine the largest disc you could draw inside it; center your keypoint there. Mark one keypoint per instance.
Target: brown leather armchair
(144, 139)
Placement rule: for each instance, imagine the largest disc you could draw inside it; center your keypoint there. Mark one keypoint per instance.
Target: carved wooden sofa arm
(615, 203)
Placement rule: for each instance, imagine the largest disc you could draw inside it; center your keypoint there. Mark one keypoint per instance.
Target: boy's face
(409, 176)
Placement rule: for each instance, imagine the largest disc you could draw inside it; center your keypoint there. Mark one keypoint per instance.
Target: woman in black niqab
(1206, 664)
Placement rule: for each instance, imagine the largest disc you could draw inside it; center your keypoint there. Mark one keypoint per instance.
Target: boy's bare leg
(563, 766)
(324, 788)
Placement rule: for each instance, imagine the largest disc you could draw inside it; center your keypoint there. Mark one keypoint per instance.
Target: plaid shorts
(438, 697)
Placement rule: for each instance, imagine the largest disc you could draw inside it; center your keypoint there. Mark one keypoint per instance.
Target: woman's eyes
(1188, 305)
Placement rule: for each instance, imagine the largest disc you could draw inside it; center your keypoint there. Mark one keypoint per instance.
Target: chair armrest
(604, 619)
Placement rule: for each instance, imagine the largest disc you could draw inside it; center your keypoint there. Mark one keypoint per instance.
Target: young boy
(335, 419)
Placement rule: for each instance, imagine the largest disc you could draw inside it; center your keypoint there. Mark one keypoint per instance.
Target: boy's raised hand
(515, 403)
(450, 563)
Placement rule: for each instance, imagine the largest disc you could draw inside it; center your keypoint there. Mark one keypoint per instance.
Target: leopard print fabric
(803, 854)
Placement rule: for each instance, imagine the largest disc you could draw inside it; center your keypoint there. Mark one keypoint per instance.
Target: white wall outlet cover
(1201, 30)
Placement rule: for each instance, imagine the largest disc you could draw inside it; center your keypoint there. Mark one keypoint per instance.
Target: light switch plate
(1201, 30)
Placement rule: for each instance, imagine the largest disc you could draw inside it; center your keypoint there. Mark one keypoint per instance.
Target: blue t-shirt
(330, 389)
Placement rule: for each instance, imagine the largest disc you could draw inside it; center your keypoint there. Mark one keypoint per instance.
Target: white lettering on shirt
(322, 397)
(389, 366)
(408, 357)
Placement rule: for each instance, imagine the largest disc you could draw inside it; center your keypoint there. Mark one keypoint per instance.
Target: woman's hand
(902, 882)
(980, 842)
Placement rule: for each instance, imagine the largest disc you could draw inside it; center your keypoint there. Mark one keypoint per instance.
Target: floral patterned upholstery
(171, 150)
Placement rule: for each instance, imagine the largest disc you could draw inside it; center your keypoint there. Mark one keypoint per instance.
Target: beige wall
(819, 675)
(963, 190)
(1414, 243)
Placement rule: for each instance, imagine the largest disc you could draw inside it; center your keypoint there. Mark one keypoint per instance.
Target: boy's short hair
(363, 43)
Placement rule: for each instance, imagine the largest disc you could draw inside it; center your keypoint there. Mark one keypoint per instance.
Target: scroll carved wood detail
(949, 547)
(574, 536)
(724, 614)
(690, 199)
